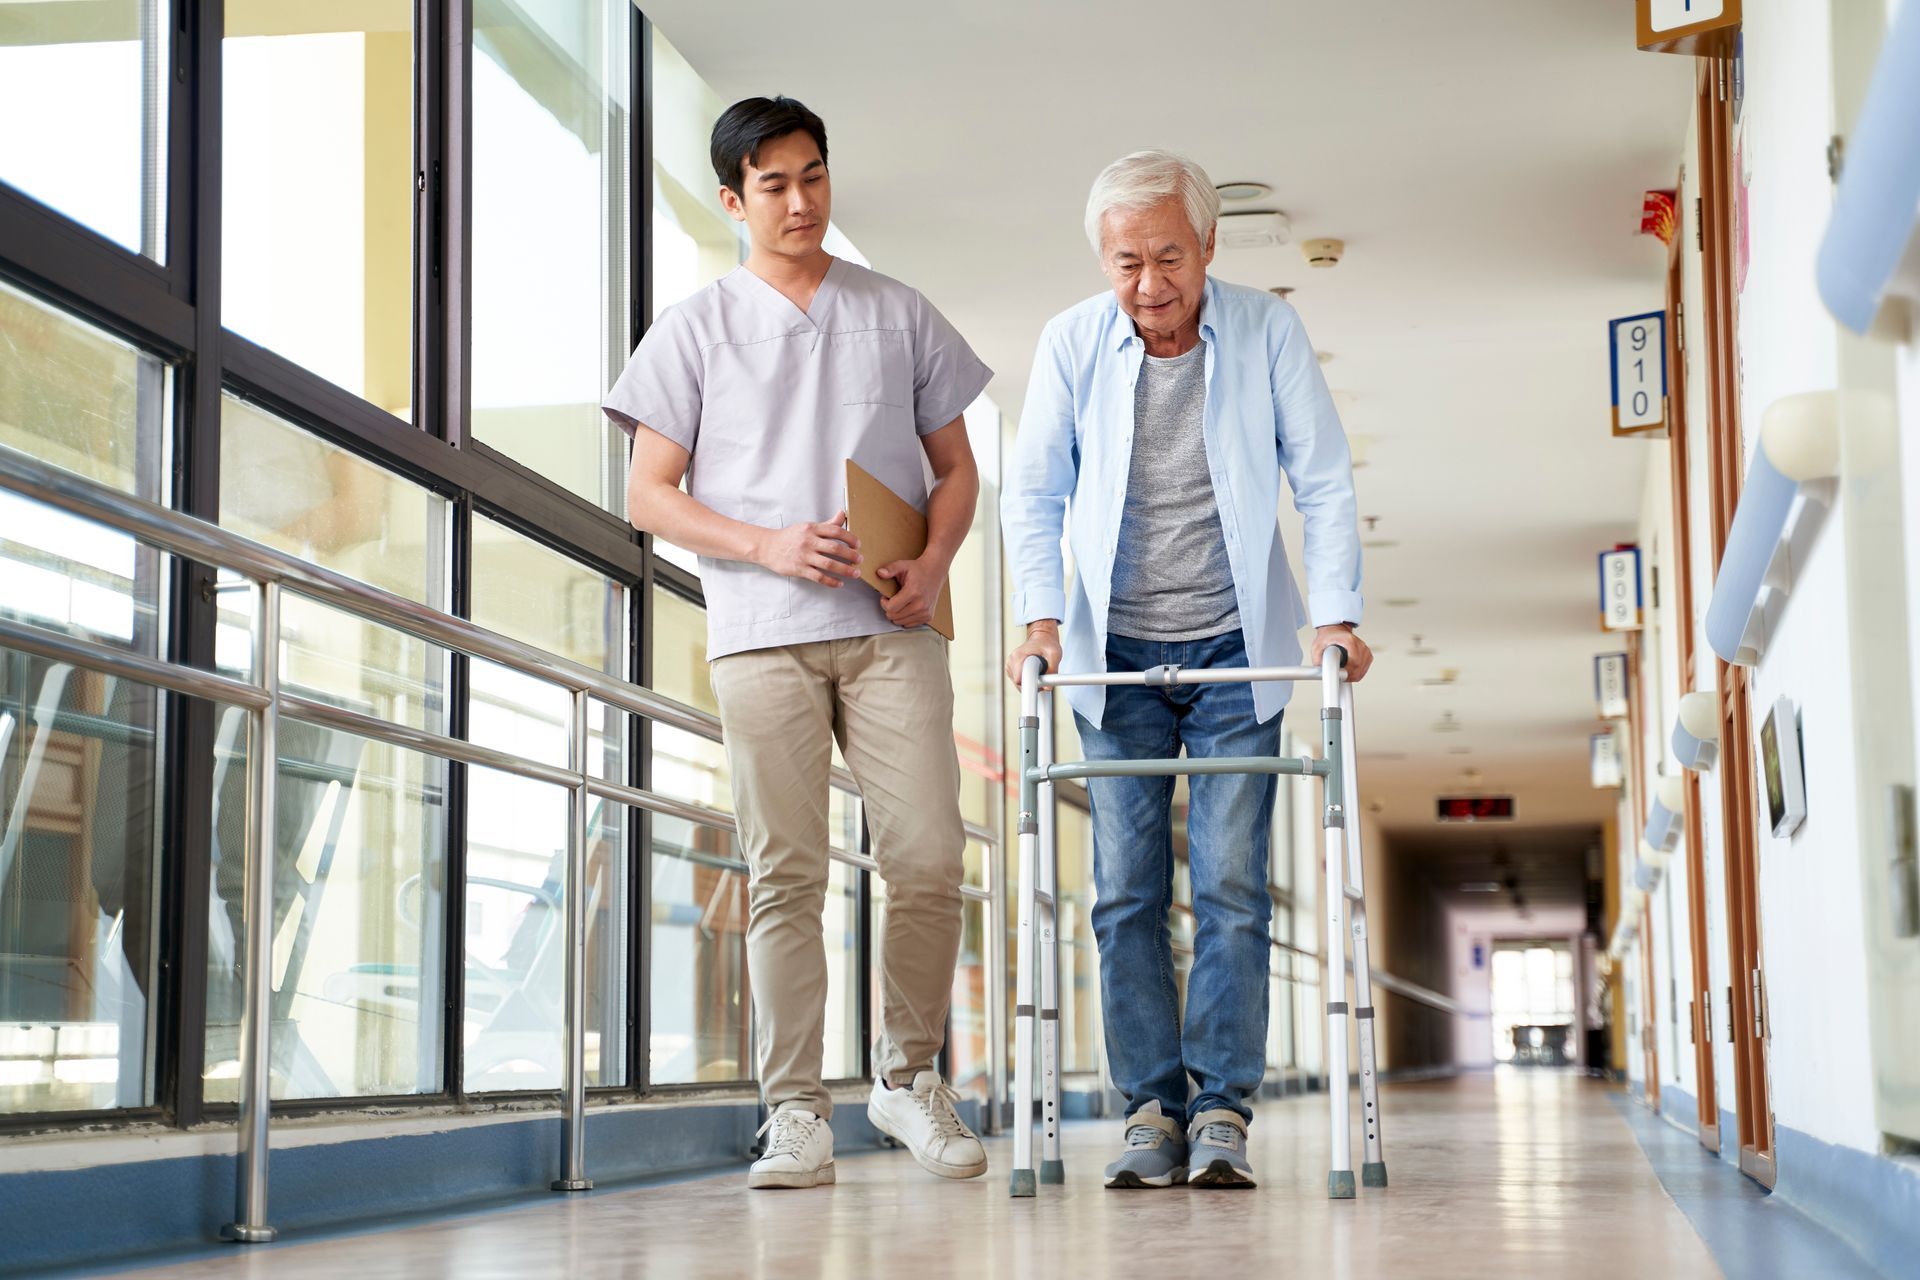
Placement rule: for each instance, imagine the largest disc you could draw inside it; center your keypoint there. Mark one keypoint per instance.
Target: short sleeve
(947, 376)
(661, 386)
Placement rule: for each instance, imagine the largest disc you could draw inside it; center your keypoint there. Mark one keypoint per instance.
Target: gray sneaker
(1156, 1154)
(1218, 1142)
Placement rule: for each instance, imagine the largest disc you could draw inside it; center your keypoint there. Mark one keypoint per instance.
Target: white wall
(1810, 885)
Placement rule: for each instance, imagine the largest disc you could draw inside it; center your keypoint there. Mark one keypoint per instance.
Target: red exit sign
(1475, 808)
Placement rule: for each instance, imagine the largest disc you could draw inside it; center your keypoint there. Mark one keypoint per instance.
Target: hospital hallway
(613, 609)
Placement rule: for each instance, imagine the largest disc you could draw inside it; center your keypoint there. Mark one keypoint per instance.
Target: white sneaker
(799, 1151)
(922, 1119)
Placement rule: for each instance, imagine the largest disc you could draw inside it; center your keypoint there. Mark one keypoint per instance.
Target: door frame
(1637, 793)
(1726, 459)
(1699, 998)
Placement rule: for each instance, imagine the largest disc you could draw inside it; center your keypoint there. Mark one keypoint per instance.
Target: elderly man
(1161, 415)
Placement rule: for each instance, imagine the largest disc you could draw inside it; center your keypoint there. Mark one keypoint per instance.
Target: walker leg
(1373, 1169)
(1052, 1169)
(1022, 1179)
(1340, 1165)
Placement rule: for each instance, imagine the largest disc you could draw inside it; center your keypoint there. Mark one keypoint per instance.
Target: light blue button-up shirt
(1268, 411)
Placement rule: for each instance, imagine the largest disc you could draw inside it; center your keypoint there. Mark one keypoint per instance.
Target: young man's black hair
(747, 125)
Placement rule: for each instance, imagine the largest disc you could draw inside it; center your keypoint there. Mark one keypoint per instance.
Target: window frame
(172, 310)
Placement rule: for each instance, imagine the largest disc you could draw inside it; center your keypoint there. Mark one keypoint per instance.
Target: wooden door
(1699, 999)
(1726, 462)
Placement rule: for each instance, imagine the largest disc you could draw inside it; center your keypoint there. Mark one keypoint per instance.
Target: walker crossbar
(1036, 941)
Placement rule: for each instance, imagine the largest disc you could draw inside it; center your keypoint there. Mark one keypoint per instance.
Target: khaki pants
(888, 701)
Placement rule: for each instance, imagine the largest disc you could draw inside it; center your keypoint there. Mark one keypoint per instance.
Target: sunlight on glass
(93, 80)
(317, 220)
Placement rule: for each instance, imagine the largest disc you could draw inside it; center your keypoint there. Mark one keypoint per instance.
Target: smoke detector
(1323, 253)
(1254, 229)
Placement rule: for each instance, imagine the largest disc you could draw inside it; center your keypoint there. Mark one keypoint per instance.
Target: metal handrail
(195, 539)
(1399, 986)
(273, 571)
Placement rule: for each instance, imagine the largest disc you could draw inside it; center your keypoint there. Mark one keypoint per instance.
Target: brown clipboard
(889, 529)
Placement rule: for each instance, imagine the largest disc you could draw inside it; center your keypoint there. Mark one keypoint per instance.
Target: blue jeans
(1223, 1044)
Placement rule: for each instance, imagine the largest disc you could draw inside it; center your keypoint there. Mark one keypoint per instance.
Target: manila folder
(889, 529)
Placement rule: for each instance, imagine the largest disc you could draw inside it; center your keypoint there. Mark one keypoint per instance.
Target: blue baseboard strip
(1873, 1201)
(1752, 1235)
(111, 1214)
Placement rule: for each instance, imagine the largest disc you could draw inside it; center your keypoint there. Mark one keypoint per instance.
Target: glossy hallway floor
(1516, 1173)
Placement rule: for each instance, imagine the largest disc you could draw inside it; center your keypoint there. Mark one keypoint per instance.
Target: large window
(80, 765)
(551, 319)
(517, 828)
(317, 213)
(82, 399)
(695, 242)
(360, 826)
(78, 781)
(93, 79)
(291, 371)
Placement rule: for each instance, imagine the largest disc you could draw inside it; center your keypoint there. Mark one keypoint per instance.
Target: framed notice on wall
(1620, 589)
(1703, 27)
(1610, 685)
(1603, 758)
(1637, 354)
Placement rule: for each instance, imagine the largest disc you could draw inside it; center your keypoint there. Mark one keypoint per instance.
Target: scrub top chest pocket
(871, 366)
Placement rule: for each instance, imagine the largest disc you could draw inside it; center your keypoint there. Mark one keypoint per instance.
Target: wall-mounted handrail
(1865, 255)
(1788, 485)
(274, 571)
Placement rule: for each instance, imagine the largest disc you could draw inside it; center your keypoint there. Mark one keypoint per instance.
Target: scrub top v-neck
(770, 401)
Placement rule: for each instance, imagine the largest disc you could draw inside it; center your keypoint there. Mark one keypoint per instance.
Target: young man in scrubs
(755, 391)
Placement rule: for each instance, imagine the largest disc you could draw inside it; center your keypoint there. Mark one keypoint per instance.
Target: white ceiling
(1483, 159)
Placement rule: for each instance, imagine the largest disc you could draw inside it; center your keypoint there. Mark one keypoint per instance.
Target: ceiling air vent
(1254, 230)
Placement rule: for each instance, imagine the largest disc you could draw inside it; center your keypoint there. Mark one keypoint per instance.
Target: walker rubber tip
(1053, 1172)
(572, 1184)
(1022, 1186)
(1340, 1185)
(1373, 1173)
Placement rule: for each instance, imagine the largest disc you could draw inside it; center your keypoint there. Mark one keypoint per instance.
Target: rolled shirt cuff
(1332, 608)
(1040, 602)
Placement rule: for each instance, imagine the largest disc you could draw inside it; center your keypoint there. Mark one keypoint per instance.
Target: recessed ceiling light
(1380, 544)
(1243, 190)
(1459, 751)
(1446, 723)
(1419, 650)
(1402, 602)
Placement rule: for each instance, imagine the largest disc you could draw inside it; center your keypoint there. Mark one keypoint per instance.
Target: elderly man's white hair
(1144, 179)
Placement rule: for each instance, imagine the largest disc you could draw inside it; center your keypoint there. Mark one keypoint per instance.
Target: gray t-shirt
(771, 401)
(1171, 577)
